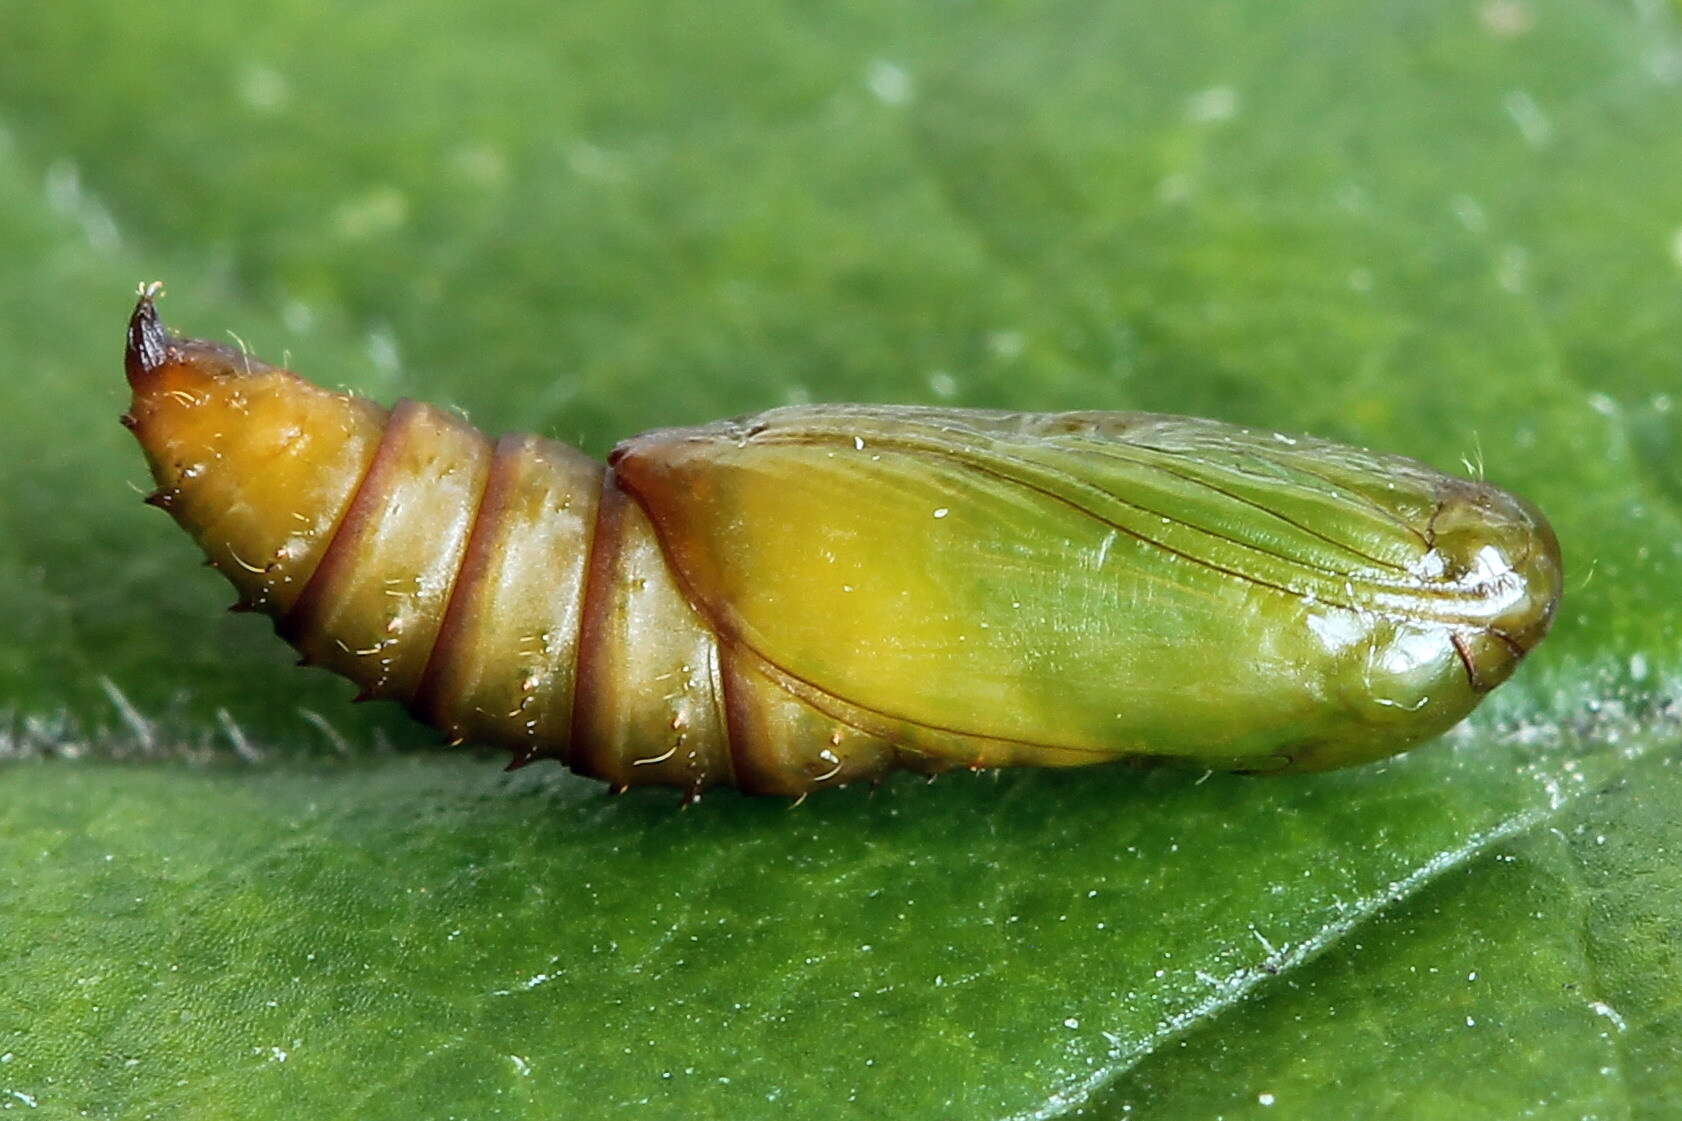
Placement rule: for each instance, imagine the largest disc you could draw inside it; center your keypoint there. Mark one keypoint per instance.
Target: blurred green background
(1447, 229)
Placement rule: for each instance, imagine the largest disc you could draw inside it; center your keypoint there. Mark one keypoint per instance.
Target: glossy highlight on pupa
(820, 594)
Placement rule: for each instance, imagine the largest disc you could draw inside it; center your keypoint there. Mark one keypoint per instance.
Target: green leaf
(1539, 977)
(1442, 229)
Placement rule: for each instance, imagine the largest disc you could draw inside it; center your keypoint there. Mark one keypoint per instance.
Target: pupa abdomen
(819, 594)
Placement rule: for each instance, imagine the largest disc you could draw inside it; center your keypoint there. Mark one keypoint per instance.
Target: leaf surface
(1444, 230)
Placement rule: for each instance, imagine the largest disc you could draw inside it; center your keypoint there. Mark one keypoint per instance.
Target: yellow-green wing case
(1060, 588)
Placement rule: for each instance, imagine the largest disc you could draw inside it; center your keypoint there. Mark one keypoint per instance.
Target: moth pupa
(820, 594)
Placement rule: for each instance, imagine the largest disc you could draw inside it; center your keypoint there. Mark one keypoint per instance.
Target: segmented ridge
(592, 623)
(649, 705)
(325, 611)
(429, 701)
(472, 562)
(504, 658)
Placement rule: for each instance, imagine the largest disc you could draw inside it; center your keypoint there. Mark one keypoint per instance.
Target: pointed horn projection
(148, 342)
